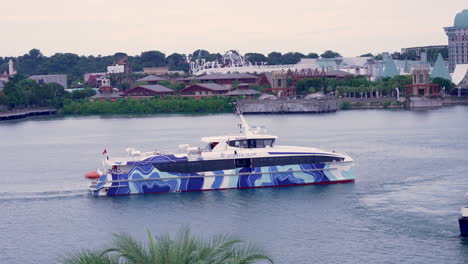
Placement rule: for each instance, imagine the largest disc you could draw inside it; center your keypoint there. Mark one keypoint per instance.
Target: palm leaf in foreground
(183, 249)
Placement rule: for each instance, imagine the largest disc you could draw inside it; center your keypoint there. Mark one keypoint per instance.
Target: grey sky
(351, 27)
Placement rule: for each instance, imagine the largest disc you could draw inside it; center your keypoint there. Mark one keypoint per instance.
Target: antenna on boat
(244, 125)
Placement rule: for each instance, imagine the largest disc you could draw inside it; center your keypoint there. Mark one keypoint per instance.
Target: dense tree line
(75, 66)
(20, 92)
(156, 105)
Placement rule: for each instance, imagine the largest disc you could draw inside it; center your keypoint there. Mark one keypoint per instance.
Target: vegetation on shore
(155, 105)
(361, 86)
(185, 248)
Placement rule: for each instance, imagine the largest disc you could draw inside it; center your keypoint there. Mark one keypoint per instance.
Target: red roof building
(151, 79)
(421, 83)
(106, 92)
(204, 89)
(145, 91)
(224, 79)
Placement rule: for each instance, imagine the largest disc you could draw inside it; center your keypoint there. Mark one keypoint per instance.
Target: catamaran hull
(141, 180)
(463, 222)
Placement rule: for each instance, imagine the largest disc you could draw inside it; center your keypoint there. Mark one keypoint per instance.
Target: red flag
(104, 152)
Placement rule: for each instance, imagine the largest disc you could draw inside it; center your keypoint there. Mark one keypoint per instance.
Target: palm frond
(87, 257)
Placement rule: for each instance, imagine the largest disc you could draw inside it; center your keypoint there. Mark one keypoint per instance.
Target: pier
(18, 114)
(286, 105)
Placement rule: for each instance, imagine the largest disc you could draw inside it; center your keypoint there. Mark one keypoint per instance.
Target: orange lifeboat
(92, 175)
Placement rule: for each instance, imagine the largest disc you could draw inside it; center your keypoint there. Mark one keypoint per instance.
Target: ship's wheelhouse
(252, 143)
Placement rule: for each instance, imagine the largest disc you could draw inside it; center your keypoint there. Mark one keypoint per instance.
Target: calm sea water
(411, 176)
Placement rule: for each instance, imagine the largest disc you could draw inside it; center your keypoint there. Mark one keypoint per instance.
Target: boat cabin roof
(236, 137)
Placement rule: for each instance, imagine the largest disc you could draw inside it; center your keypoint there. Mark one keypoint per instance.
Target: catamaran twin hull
(153, 175)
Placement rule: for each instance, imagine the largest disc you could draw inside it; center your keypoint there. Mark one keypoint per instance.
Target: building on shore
(458, 40)
(243, 89)
(440, 70)
(106, 92)
(421, 83)
(146, 91)
(204, 89)
(11, 71)
(430, 51)
(279, 85)
(460, 76)
(121, 65)
(156, 70)
(223, 79)
(151, 79)
(50, 78)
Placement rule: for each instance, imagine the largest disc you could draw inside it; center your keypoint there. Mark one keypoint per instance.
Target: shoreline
(356, 105)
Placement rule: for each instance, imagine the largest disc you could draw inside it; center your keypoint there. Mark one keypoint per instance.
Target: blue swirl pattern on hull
(145, 178)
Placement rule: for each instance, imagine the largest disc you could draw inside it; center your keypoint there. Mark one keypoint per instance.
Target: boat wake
(46, 195)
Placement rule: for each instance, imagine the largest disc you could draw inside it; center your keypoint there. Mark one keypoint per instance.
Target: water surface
(411, 175)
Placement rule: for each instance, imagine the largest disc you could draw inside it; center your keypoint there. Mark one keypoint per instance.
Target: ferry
(463, 221)
(250, 159)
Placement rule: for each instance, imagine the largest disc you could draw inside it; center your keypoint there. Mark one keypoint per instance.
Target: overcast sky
(351, 27)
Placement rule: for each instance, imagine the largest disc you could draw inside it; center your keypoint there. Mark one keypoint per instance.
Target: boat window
(242, 163)
(195, 166)
(227, 164)
(289, 160)
(251, 143)
(213, 145)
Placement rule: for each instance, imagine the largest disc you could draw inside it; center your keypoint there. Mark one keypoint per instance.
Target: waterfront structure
(145, 91)
(390, 69)
(204, 89)
(421, 83)
(440, 69)
(243, 89)
(151, 79)
(249, 160)
(223, 78)
(50, 78)
(458, 40)
(106, 92)
(265, 79)
(279, 85)
(460, 76)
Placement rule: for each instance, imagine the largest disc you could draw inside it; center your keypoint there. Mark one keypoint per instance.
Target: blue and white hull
(143, 177)
(249, 160)
(463, 222)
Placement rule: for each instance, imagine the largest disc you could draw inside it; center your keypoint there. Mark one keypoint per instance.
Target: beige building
(156, 70)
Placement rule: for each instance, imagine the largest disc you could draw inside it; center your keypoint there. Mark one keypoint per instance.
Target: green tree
(256, 58)
(18, 91)
(292, 58)
(152, 58)
(330, 54)
(3, 98)
(443, 83)
(312, 55)
(275, 58)
(177, 62)
(183, 249)
(49, 94)
(81, 94)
